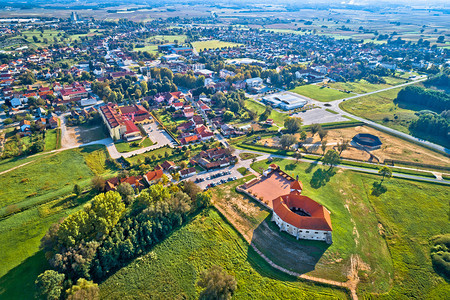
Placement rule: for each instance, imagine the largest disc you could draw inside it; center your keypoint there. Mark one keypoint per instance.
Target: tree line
(112, 229)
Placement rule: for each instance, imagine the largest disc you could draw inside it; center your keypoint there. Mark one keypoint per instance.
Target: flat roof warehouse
(285, 101)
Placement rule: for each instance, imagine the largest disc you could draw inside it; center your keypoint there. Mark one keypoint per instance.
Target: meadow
(363, 86)
(380, 108)
(212, 44)
(390, 232)
(51, 177)
(319, 93)
(172, 268)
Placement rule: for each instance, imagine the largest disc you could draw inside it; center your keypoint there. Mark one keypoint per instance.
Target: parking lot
(320, 116)
(159, 136)
(217, 177)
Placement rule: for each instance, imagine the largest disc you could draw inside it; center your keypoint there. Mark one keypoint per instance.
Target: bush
(440, 255)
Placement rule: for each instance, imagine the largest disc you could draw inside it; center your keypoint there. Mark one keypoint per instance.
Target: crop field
(389, 233)
(212, 44)
(319, 93)
(172, 268)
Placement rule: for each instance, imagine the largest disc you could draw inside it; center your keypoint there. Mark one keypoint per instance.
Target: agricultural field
(387, 234)
(212, 44)
(319, 93)
(172, 268)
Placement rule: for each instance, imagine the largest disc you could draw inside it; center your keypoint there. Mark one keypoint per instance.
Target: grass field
(50, 140)
(247, 155)
(361, 221)
(363, 86)
(212, 44)
(277, 117)
(20, 237)
(50, 177)
(320, 93)
(380, 108)
(171, 269)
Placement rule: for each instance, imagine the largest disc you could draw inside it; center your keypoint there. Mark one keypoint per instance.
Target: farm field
(212, 44)
(318, 93)
(171, 269)
(50, 177)
(361, 221)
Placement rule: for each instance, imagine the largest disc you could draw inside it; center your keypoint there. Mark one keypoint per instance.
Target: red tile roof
(319, 218)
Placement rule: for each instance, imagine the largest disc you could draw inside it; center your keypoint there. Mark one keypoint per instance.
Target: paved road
(335, 107)
(365, 170)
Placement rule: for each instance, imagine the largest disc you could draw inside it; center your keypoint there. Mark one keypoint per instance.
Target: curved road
(335, 106)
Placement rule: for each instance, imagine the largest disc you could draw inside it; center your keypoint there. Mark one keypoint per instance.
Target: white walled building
(301, 216)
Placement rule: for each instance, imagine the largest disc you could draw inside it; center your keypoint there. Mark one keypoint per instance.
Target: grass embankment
(406, 216)
(212, 44)
(319, 93)
(172, 269)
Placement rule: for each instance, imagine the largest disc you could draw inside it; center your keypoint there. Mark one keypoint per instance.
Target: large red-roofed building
(301, 216)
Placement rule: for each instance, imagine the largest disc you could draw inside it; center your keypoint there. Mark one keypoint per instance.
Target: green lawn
(246, 155)
(212, 44)
(124, 147)
(380, 108)
(277, 117)
(172, 268)
(318, 93)
(390, 233)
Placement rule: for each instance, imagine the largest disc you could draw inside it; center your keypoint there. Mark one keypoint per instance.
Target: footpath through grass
(319, 93)
(172, 269)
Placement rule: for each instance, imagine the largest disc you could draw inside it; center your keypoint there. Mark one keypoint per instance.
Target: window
(316, 232)
(307, 231)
